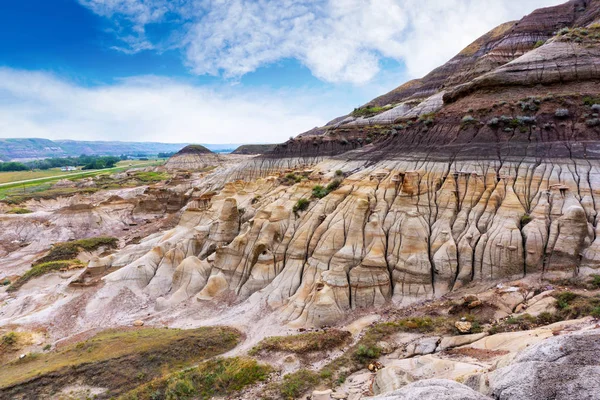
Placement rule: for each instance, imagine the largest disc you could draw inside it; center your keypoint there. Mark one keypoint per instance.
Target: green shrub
(525, 219)
(319, 192)
(339, 172)
(9, 339)
(595, 281)
(564, 298)
(333, 185)
(301, 205)
(539, 43)
(365, 354)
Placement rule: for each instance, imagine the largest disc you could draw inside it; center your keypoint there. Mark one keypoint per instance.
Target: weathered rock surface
(563, 367)
(434, 389)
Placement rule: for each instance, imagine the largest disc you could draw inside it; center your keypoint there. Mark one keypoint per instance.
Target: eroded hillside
(465, 202)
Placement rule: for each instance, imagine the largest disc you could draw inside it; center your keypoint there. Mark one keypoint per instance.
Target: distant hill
(30, 149)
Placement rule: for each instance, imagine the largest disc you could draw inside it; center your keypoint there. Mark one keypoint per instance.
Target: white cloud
(35, 104)
(338, 40)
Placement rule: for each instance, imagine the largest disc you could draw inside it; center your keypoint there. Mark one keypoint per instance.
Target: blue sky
(218, 71)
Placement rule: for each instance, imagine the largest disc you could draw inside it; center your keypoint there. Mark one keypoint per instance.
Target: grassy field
(16, 176)
(23, 184)
(116, 359)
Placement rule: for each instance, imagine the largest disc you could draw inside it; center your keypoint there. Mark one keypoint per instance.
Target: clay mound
(194, 149)
(251, 149)
(192, 157)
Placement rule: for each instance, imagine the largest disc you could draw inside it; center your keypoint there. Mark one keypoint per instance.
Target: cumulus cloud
(338, 40)
(36, 104)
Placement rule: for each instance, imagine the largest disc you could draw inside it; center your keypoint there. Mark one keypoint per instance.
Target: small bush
(563, 31)
(493, 122)
(319, 192)
(539, 43)
(339, 172)
(564, 298)
(592, 122)
(525, 219)
(561, 113)
(595, 281)
(301, 205)
(365, 354)
(590, 101)
(9, 339)
(333, 185)
(468, 119)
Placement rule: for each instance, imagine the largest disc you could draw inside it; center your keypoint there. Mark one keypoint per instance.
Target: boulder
(463, 326)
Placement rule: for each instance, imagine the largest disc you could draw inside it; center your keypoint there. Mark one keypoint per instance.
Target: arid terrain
(439, 242)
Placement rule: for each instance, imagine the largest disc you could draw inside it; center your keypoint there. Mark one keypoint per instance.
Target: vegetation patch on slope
(304, 342)
(357, 357)
(70, 250)
(42, 269)
(63, 256)
(219, 377)
(116, 360)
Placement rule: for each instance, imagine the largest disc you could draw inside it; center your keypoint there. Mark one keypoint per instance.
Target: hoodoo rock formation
(489, 172)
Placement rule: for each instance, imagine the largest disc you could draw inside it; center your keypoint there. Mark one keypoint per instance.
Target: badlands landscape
(439, 242)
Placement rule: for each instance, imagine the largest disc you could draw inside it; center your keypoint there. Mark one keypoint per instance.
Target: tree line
(87, 162)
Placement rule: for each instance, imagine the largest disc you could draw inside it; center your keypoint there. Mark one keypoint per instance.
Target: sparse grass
(19, 210)
(296, 384)
(63, 256)
(356, 357)
(304, 342)
(14, 191)
(368, 111)
(219, 377)
(70, 250)
(151, 177)
(291, 179)
(112, 358)
(42, 269)
(570, 306)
